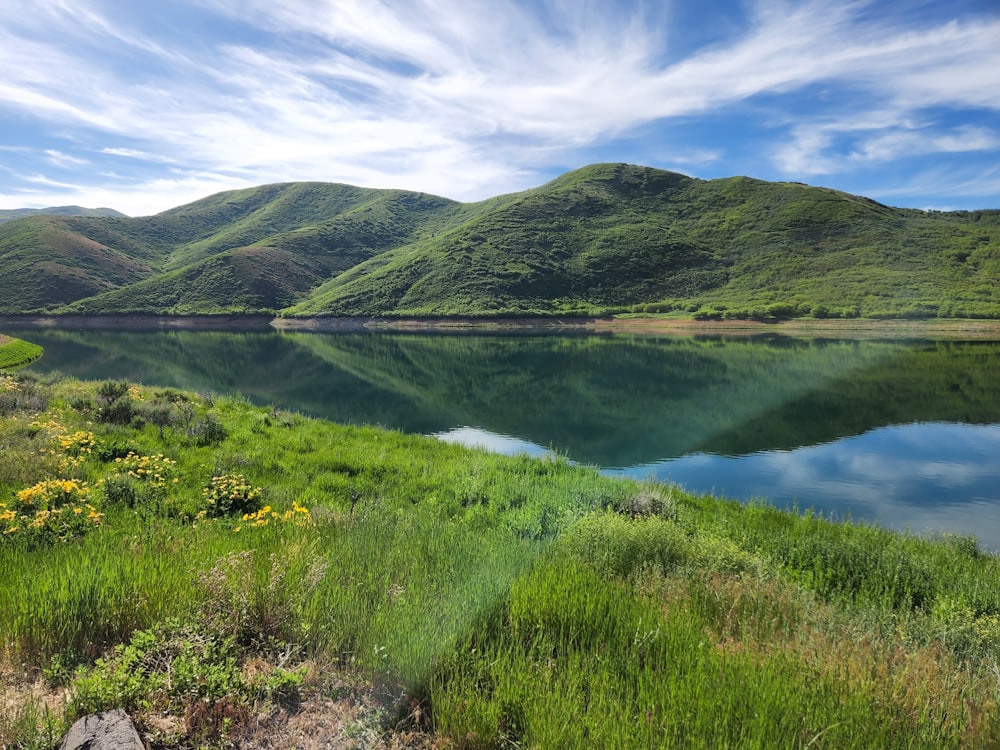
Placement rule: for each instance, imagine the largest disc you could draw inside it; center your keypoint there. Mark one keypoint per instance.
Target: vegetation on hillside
(17, 353)
(11, 214)
(605, 239)
(220, 569)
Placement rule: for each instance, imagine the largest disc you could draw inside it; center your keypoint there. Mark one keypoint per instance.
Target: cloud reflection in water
(925, 477)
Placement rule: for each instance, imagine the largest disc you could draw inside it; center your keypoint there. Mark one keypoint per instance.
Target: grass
(482, 600)
(17, 353)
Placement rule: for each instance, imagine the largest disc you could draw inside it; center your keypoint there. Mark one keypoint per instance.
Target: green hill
(46, 263)
(608, 238)
(21, 213)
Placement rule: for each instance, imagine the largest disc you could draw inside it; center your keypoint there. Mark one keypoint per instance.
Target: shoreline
(936, 328)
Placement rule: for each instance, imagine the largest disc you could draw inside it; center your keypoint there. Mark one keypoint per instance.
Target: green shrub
(208, 431)
(114, 405)
(229, 494)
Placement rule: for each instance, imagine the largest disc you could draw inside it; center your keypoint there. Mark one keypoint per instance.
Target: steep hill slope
(248, 250)
(45, 264)
(279, 269)
(608, 238)
(618, 237)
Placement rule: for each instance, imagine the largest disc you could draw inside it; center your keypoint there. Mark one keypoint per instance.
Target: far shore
(935, 328)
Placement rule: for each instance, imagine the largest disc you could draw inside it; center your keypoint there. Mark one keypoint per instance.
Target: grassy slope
(21, 213)
(593, 238)
(493, 600)
(15, 352)
(608, 238)
(613, 237)
(283, 267)
(47, 263)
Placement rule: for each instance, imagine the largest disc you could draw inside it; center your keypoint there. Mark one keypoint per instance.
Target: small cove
(900, 433)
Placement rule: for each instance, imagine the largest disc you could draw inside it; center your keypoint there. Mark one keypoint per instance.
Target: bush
(122, 491)
(229, 494)
(114, 405)
(620, 546)
(184, 670)
(209, 431)
(53, 510)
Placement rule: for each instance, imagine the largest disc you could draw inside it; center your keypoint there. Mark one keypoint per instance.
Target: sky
(145, 106)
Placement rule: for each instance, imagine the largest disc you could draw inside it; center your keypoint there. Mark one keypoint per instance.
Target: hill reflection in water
(900, 432)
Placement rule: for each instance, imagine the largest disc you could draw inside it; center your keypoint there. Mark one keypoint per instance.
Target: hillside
(21, 213)
(605, 239)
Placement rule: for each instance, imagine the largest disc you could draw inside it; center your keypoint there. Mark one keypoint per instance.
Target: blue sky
(146, 106)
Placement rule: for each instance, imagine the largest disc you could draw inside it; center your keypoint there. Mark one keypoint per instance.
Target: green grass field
(16, 353)
(218, 568)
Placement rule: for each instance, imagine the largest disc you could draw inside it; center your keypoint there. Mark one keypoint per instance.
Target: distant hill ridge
(604, 239)
(20, 213)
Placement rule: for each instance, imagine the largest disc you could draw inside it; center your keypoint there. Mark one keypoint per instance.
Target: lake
(901, 433)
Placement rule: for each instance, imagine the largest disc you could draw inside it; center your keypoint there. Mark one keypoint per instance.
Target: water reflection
(902, 433)
(926, 478)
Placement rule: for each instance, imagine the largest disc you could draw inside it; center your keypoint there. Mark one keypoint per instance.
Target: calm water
(903, 434)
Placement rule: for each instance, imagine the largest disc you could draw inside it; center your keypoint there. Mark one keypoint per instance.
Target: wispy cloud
(471, 99)
(65, 161)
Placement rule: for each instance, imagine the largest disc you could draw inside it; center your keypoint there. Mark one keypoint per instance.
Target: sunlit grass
(16, 353)
(490, 600)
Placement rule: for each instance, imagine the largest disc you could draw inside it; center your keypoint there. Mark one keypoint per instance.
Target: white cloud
(459, 98)
(64, 161)
(841, 144)
(131, 153)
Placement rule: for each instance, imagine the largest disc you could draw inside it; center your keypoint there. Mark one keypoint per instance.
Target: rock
(107, 730)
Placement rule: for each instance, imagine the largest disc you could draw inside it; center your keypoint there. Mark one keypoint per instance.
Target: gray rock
(107, 730)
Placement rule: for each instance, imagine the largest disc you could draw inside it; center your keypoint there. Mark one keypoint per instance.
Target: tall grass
(492, 601)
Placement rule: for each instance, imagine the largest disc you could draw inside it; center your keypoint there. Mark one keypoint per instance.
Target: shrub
(122, 491)
(185, 670)
(260, 607)
(21, 394)
(110, 449)
(227, 494)
(620, 546)
(114, 403)
(651, 500)
(208, 431)
(49, 511)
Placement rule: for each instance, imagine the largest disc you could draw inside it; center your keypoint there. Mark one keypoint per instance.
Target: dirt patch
(339, 714)
(863, 329)
(866, 329)
(810, 328)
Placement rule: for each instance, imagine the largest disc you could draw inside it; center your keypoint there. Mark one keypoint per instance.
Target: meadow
(218, 569)
(16, 353)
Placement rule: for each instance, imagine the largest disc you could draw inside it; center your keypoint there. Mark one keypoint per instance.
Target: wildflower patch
(227, 494)
(156, 471)
(297, 514)
(50, 510)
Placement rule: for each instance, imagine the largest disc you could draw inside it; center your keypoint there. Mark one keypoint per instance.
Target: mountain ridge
(12, 214)
(600, 240)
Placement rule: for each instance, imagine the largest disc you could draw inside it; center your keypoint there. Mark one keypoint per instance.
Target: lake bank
(937, 328)
(488, 597)
(894, 432)
(17, 353)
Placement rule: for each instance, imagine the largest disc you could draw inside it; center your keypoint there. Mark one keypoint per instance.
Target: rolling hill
(608, 238)
(21, 213)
